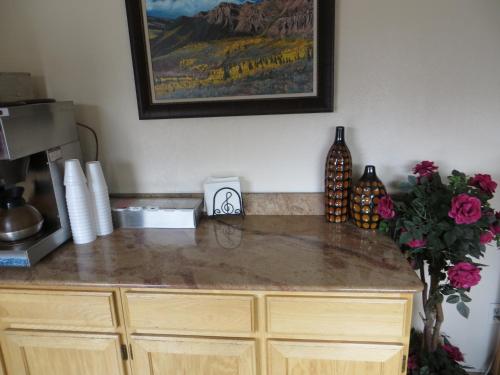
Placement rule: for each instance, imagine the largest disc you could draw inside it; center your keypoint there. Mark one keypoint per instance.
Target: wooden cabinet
(319, 358)
(61, 332)
(192, 356)
(2, 363)
(141, 331)
(496, 365)
(50, 353)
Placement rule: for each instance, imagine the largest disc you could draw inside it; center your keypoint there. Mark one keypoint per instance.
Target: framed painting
(200, 58)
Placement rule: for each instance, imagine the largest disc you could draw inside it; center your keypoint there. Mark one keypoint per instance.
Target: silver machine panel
(28, 129)
(35, 141)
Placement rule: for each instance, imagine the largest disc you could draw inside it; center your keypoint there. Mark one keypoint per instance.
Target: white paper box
(172, 213)
(223, 196)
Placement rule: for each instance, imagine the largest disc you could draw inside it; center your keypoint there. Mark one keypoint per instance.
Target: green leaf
(447, 290)
(405, 187)
(458, 174)
(466, 298)
(405, 238)
(412, 180)
(468, 233)
(491, 219)
(463, 309)
(450, 237)
(408, 224)
(453, 299)
(443, 225)
(384, 227)
(479, 264)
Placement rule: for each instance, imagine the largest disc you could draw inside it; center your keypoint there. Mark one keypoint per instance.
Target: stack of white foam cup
(100, 198)
(80, 208)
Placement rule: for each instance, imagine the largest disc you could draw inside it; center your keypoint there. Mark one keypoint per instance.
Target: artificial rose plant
(444, 229)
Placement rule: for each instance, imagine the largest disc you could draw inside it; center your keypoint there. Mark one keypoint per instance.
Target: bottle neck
(339, 134)
(370, 172)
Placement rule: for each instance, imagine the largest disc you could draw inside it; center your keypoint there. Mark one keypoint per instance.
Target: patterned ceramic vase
(338, 179)
(365, 197)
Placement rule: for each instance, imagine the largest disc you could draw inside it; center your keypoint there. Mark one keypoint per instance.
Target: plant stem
(428, 328)
(425, 292)
(436, 337)
(434, 316)
(426, 287)
(429, 317)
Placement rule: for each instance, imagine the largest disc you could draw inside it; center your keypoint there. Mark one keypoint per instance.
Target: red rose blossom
(386, 208)
(453, 352)
(495, 229)
(484, 182)
(425, 168)
(486, 237)
(464, 275)
(415, 244)
(465, 209)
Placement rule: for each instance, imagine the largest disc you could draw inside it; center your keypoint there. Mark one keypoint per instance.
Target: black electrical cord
(95, 138)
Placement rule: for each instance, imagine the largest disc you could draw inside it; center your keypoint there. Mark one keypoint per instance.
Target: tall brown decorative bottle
(338, 179)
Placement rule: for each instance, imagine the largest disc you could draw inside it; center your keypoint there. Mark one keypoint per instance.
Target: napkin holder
(223, 196)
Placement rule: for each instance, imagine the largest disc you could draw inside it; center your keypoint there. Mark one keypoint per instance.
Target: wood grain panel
(190, 312)
(49, 353)
(2, 363)
(315, 358)
(337, 318)
(52, 309)
(192, 356)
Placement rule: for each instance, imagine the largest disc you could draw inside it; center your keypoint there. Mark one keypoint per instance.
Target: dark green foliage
(432, 363)
(423, 213)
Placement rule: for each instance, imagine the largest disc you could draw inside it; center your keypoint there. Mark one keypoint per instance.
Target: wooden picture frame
(148, 84)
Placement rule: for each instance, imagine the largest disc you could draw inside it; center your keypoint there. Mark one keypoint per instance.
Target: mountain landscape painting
(202, 50)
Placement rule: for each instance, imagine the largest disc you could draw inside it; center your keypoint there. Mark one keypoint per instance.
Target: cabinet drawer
(53, 309)
(190, 312)
(352, 318)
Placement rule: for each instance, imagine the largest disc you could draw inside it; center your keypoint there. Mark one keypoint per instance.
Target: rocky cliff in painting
(253, 45)
(271, 17)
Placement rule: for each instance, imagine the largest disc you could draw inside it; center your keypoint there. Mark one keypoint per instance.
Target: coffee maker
(35, 140)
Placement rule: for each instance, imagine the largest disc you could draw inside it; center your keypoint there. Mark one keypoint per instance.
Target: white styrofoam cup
(73, 173)
(99, 198)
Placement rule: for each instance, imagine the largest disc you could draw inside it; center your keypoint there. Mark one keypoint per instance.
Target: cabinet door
(2, 364)
(192, 356)
(307, 358)
(50, 353)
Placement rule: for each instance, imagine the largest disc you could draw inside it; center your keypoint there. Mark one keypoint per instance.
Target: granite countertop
(267, 253)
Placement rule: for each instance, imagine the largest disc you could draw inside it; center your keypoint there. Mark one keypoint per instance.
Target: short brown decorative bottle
(365, 197)
(338, 179)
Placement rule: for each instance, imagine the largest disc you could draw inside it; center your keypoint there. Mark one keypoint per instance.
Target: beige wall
(415, 79)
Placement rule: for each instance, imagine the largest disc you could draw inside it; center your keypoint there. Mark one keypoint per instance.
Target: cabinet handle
(124, 352)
